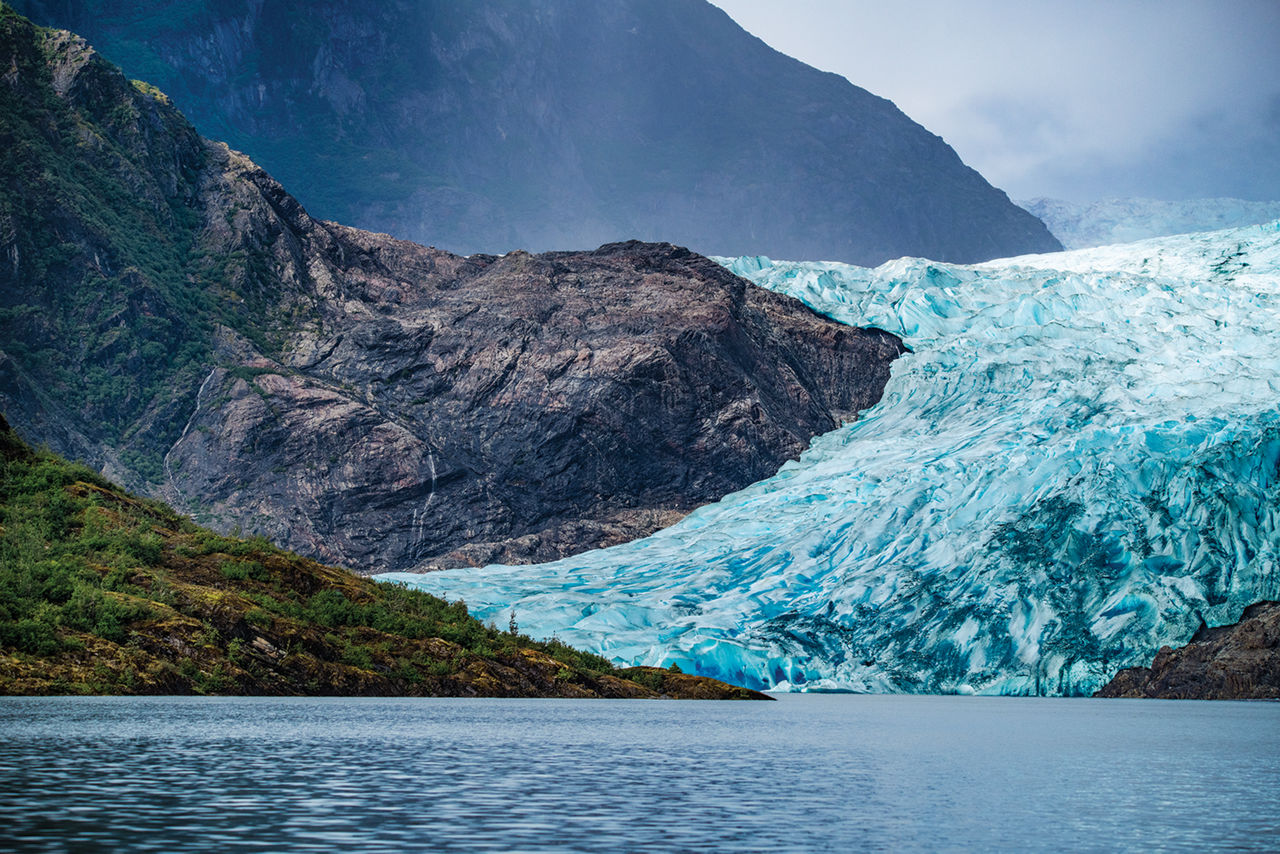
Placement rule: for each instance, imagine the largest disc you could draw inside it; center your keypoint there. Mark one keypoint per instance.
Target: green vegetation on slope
(103, 592)
(97, 290)
(108, 296)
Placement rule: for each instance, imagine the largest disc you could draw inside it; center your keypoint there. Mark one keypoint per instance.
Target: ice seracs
(1078, 463)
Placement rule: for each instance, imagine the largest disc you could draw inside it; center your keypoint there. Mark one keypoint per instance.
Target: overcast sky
(1076, 99)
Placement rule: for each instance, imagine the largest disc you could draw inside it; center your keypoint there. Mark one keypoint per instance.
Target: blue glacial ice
(1078, 463)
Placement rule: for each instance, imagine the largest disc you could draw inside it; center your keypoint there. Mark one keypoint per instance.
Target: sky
(1074, 99)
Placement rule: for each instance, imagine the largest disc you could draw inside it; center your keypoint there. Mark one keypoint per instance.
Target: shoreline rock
(1236, 662)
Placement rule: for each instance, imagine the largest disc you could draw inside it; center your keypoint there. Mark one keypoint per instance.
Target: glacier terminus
(1077, 463)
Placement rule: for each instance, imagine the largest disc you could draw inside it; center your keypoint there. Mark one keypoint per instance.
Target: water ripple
(808, 773)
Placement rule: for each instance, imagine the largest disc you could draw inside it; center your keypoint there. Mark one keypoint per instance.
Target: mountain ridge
(553, 124)
(1111, 221)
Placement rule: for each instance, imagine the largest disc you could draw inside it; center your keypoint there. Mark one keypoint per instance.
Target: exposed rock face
(554, 124)
(1236, 662)
(362, 399)
(518, 409)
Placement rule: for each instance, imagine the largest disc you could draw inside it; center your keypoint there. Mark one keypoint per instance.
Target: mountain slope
(533, 124)
(169, 314)
(101, 592)
(1077, 463)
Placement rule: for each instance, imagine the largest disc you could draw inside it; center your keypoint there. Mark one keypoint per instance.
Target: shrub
(357, 656)
(31, 636)
(242, 570)
(258, 618)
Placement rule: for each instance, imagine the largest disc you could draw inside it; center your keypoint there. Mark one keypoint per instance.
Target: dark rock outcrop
(551, 124)
(520, 408)
(360, 399)
(1236, 662)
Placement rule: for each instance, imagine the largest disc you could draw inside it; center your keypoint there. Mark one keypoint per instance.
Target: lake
(807, 773)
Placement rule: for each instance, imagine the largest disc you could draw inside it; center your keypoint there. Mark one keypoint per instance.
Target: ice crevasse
(1078, 463)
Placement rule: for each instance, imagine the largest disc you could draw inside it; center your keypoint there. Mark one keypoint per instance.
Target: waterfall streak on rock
(168, 470)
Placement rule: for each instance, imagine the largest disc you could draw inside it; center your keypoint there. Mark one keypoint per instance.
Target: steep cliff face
(173, 316)
(102, 295)
(539, 124)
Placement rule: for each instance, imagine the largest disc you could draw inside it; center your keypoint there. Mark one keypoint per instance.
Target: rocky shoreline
(1236, 662)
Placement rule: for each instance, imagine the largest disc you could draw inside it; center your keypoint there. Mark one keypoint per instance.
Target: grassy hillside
(102, 592)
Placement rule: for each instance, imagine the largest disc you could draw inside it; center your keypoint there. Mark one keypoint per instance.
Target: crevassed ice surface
(1077, 464)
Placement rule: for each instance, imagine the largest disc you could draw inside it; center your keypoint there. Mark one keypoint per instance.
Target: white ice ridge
(1079, 463)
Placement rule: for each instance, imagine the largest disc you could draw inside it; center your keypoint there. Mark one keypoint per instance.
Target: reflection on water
(806, 773)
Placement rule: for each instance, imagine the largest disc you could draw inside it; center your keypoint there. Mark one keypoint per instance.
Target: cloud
(1049, 98)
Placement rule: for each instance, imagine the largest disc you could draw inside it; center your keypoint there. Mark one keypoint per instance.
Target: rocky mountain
(1236, 662)
(519, 408)
(170, 314)
(1081, 226)
(537, 124)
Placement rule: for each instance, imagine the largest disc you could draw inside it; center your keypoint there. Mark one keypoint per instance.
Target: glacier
(1078, 463)
(1080, 226)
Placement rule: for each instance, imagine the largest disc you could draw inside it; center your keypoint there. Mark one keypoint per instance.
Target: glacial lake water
(807, 773)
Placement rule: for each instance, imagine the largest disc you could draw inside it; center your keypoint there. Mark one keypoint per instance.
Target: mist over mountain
(544, 124)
